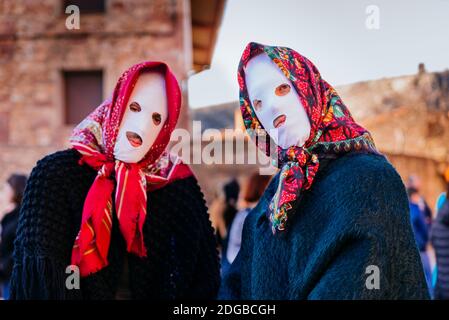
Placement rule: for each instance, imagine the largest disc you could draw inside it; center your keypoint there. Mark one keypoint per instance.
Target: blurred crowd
(432, 235)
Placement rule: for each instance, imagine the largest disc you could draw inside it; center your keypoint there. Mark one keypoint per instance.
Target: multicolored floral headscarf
(95, 138)
(333, 130)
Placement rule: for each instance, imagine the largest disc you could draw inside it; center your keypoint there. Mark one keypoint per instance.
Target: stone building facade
(39, 55)
(409, 119)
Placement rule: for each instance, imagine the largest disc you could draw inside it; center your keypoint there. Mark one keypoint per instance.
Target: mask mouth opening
(279, 121)
(134, 139)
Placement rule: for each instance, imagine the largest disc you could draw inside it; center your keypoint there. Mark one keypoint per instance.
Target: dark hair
(255, 187)
(231, 190)
(411, 191)
(17, 183)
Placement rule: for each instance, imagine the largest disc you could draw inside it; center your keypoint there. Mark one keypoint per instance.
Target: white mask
(276, 103)
(146, 113)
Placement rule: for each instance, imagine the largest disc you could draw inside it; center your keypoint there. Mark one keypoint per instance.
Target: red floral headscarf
(333, 130)
(95, 138)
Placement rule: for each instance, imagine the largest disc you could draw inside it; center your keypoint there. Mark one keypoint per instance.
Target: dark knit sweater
(355, 215)
(182, 259)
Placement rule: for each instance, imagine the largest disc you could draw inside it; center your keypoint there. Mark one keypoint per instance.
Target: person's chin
(128, 156)
(284, 139)
(290, 141)
(284, 143)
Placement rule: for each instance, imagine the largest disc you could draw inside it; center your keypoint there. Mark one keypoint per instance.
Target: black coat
(182, 259)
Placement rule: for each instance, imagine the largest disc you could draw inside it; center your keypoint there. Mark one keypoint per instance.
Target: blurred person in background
(223, 210)
(420, 229)
(231, 191)
(253, 190)
(414, 181)
(11, 195)
(440, 241)
(442, 197)
(216, 210)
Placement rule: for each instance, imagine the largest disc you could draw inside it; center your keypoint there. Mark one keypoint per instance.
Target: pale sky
(331, 33)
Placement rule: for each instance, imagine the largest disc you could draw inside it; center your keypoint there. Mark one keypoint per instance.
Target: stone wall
(407, 115)
(409, 119)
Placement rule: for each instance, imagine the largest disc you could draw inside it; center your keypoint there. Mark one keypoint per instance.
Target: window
(87, 6)
(83, 93)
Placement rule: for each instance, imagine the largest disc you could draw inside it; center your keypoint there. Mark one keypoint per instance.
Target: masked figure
(334, 222)
(117, 210)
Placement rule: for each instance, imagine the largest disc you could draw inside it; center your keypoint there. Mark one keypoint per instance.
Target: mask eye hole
(156, 118)
(282, 90)
(257, 104)
(134, 107)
